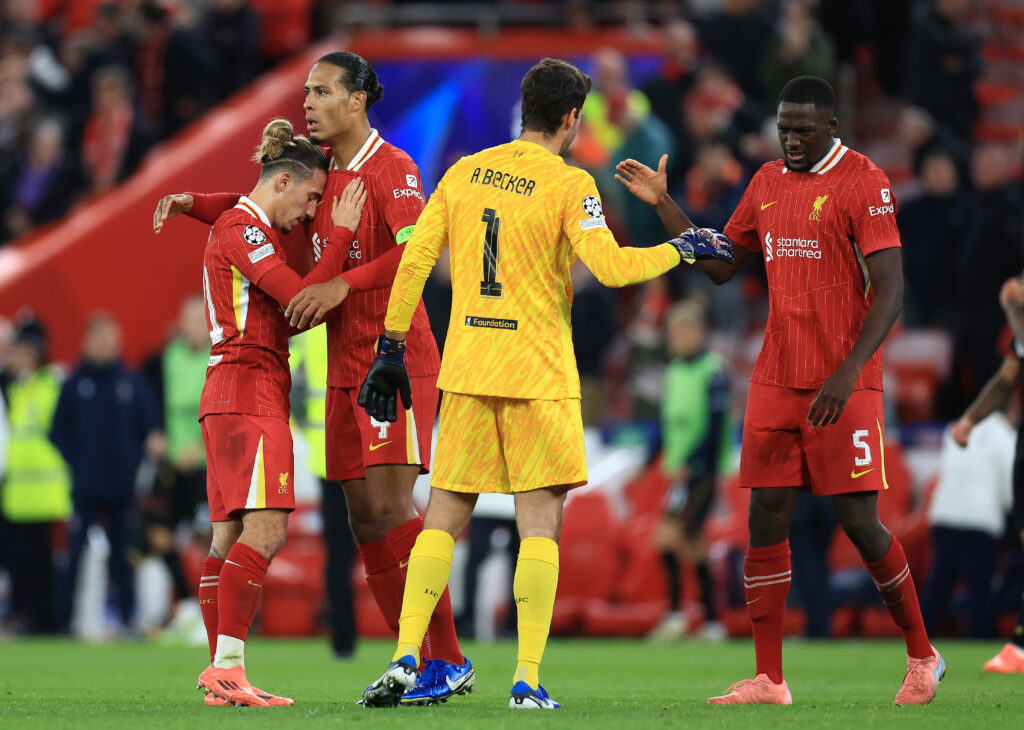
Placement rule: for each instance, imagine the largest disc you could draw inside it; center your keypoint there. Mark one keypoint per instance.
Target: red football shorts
(781, 449)
(355, 440)
(249, 464)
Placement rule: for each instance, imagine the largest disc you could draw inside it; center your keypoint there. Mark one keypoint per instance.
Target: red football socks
(209, 578)
(896, 585)
(385, 580)
(766, 575)
(241, 582)
(441, 641)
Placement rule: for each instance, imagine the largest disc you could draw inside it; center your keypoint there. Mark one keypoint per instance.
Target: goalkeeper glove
(701, 244)
(385, 381)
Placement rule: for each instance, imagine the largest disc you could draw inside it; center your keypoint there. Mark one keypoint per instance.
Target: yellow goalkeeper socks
(430, 564)
(534, 587)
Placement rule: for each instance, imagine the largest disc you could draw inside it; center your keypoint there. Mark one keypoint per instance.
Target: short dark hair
(359, 75)
(809, 90)
(550, 90)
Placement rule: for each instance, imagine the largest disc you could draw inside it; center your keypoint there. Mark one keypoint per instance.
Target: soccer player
(244, 408)
(514, 218)
(823, 218)
(377, 462)
(993, 397)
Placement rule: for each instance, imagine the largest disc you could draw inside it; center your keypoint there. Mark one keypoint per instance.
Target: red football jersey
(394, 201)
(248, 371)
(814, 229)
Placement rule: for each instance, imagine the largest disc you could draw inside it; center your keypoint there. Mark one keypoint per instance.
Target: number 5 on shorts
(859, 443)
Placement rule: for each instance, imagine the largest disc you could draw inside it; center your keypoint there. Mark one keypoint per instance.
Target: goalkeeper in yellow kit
(514, 218)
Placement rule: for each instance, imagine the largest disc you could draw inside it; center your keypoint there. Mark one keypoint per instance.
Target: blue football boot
(525, 697)
(439, 681)
(388, 689)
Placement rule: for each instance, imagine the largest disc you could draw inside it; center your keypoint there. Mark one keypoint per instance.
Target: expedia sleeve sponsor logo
(492, 323)
(881, 209)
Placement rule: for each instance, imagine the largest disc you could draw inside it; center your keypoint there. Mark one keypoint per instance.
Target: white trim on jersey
(216, 331)
(373, 143)
(246, 204)
(831, 159)
(252, 498)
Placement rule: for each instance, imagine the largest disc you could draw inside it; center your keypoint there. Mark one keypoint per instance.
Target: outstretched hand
(643, 182)
(168, 207)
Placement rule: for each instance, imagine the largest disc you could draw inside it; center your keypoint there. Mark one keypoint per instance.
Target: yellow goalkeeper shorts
(508, 445)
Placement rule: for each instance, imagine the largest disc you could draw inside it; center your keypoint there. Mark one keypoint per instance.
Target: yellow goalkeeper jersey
(514, 218)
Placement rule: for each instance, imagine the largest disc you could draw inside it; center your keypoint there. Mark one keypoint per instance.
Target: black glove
(386, 377)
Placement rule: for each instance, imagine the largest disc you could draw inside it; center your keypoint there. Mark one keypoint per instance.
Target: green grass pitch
(601, 684)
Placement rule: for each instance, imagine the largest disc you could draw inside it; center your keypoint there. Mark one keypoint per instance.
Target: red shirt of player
(814, 229)
(394, 201)
(248, 370)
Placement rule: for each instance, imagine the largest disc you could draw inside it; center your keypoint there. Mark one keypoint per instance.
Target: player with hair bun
(244, 408)
(377, 462)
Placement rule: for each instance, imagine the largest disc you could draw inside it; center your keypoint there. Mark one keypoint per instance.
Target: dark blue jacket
(100, 426)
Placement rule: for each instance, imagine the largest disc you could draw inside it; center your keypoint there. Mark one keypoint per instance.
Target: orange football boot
(273, 700)
(1009, 660)
(921, 680)
(230, 685)
(757, 691)
(212, 700)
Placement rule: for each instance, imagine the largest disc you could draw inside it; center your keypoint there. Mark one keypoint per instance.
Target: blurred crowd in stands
(86, 88)
(931, 90)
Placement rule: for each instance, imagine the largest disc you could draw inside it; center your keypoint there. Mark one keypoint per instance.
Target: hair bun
(278, 136)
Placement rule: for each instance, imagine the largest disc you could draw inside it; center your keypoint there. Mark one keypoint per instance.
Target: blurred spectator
(717, 109)
(618, 124)
(178, 499)
(175, 71)
(934, 228)
(667, 89)
(645, 359)
(918, 131)
(36, 491)
(593, 328)
(798, 48)
(104, 424)
(309, 407)
(995, 247)
(15, 107)
(944, 57)
(40, 185)
(113, 43)
(736, 36)
(967, 518)
(714, 186)
(233, 31)
(695, 438)
(113, 141)
(810, 535)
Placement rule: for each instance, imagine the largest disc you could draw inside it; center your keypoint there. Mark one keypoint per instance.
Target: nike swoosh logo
(255, 584)
(855, 475)
(755, 600)
(374, 447)
(765, 205)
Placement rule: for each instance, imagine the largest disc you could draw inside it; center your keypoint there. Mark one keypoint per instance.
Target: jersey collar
(246, 204)
(373, 143)
(830, 160)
